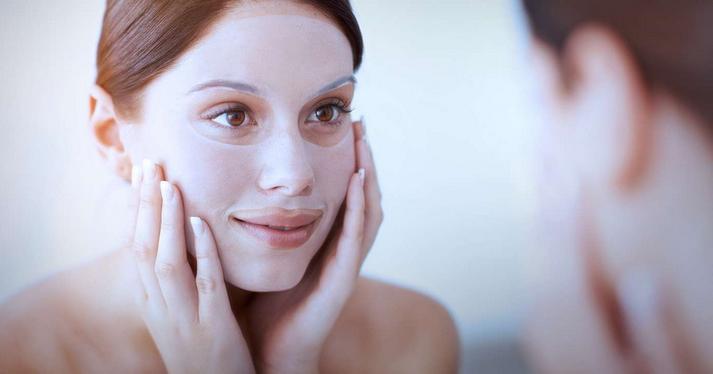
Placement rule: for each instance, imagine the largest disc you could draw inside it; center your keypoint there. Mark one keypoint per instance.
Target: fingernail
(197, 225)
(362, 175)
(149, 170)
(166, 191)
(135, 176)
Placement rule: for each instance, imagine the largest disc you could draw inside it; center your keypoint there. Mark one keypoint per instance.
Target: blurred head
(626, 87)
(628, 148)
(245, 105)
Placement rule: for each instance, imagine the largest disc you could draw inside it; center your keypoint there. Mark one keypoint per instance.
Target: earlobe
(105, 130)
(612, 107)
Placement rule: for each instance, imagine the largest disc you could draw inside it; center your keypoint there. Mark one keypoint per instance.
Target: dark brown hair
(140, 39)
(672, 41)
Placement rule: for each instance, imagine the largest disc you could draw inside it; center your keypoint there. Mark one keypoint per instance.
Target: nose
(286, 167)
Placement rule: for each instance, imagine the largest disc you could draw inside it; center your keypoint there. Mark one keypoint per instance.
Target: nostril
(289, 186)
(295, 190)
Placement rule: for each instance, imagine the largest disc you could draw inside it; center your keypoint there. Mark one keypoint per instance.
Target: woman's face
(252, 125)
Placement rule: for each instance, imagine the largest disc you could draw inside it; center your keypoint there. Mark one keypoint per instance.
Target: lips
(279, 228)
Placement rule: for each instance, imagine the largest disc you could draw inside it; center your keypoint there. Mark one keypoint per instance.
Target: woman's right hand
(189, 317)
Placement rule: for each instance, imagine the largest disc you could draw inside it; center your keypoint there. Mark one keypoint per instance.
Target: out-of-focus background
(444, 92)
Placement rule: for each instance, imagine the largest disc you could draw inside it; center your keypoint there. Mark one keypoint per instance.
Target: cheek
(333, 167)
(212, 179)
(210, 175)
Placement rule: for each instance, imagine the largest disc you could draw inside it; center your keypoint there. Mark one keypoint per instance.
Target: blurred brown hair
(140, 39)
(672, 41)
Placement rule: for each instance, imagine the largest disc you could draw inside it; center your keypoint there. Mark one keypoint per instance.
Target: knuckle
(354, 208)
(141, 250)
(202, 254)
(205, 285)
(167, 226)
(148, 201)
(354, 235)
(165, 270)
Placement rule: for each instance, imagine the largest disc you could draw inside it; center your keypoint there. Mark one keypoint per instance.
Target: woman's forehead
(274, 52)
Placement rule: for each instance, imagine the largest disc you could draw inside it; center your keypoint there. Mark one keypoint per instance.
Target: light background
(443, 90)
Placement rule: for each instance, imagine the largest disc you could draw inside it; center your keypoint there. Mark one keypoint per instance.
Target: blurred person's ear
(595, 92)
(605, 101)
(105, 131)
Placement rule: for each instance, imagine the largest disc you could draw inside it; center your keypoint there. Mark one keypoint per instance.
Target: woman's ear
(105, 130)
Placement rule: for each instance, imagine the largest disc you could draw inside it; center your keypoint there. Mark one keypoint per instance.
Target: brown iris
(325, 113)
(236, 118)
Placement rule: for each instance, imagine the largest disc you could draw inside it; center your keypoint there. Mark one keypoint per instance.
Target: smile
(279, 228)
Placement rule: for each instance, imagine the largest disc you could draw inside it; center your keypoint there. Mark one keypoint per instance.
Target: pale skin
(150, 307)
(623, 282)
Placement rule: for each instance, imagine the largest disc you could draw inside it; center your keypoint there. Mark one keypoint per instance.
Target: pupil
(325, 113)
(236, 118)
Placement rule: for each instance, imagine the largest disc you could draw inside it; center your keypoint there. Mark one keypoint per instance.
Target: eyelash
(342, 107)
(212, 115)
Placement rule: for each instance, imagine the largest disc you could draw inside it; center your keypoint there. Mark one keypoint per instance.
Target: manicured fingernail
(166, 191)
(135, 176)
(362, 175)
(198, 226)
(149, 170)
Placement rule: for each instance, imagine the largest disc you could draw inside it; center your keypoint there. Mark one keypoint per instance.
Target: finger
(132, 211)
(374, 212)
(174, 275)
(147, 232)
(341, 271)
(642, 307)
(132, 207)
(341, 267)
(213, 300)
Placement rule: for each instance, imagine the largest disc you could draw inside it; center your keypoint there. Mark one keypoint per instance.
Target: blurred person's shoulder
(386, 328)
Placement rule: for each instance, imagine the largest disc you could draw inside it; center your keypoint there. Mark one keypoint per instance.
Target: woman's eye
(233, 118)
(326, 113)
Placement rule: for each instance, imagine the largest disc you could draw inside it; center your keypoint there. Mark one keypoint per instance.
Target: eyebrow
(235, 85)
(240, 86)
(338, 83)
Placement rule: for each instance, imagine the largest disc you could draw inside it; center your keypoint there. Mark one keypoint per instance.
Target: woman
(625, 281)
(233, 116)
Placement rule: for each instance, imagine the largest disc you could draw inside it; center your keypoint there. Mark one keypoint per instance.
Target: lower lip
(279, 239)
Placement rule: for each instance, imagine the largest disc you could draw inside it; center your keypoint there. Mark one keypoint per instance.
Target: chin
(267, 275)
(259, 268)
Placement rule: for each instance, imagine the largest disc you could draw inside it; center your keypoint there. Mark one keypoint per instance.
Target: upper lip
(279, 217)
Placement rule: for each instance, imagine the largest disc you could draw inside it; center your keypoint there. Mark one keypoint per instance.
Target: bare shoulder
(386, 328)
(71, 322)
(31, 321)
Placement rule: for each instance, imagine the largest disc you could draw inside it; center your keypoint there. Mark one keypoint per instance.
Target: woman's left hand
(288, 329)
